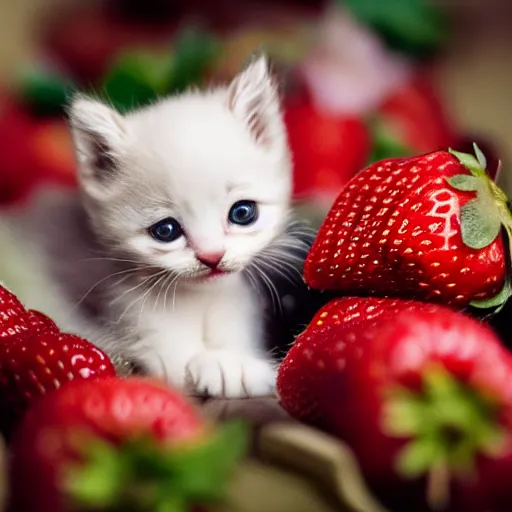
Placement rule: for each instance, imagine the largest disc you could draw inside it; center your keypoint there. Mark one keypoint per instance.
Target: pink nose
(210, 259)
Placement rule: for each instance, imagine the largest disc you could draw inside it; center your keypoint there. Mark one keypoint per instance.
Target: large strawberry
(36, 357)
(119, 444)
(428, 227)
(39, 361)
(421, 393)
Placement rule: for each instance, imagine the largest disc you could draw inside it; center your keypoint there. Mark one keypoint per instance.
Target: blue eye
(243, 213)
(166, 230)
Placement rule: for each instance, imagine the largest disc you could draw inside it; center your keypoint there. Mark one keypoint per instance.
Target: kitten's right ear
(101, 137)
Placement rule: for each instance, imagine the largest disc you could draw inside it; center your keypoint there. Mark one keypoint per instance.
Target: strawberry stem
(438, 486)
(141, 474)
(447, 424)
(484, 218)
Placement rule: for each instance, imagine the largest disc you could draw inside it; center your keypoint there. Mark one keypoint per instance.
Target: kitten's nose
(210, 259)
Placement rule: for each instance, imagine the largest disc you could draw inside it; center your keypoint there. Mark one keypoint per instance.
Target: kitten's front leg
(233, 363)
(229, 374)
(168, 341)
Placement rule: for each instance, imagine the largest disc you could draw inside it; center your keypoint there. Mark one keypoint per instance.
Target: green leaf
(418, 457)
(202, 470)
(45, 92)
(143, 474)
(498, 300)
(99, 482)
(404, 415)
(469, 162)
(194, 53)
(137, 78)
(479, 225)
(480, 156)
(411, 26)
(464, 182)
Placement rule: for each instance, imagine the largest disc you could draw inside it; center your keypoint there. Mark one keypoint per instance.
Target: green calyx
(448, 423)
(483, 217)
(142, 475)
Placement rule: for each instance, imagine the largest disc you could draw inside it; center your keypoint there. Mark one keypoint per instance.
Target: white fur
(189, 157)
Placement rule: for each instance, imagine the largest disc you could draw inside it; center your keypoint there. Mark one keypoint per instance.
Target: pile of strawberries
(86, 439)
(397, 366)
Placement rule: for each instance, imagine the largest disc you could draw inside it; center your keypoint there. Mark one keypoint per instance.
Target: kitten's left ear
(101, 137)
(253, 98)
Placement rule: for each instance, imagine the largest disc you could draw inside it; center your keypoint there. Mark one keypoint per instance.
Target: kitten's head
(193, 183)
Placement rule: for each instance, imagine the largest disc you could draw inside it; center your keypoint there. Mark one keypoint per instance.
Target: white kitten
(189, 198)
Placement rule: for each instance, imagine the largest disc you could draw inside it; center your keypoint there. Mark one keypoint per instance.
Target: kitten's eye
(243, 213)
(166, 230)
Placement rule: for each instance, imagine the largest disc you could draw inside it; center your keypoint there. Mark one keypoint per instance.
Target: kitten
(188, 201)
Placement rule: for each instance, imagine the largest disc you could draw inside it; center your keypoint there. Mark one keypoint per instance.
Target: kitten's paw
(230, 375)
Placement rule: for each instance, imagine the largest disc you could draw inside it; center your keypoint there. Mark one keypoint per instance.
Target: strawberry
(41, 360)
(52, 152)
(13, 316)
(421, 393)
(428, 227)
(414, 119)
(40, 322)
(327, 149)
(17, 174)
(119, 444)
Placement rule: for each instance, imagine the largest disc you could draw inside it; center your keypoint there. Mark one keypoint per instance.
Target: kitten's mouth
(215, 273)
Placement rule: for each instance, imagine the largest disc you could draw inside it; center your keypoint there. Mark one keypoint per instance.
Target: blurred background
(362, 79)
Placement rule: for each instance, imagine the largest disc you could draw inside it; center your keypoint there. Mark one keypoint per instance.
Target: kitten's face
(198, 184)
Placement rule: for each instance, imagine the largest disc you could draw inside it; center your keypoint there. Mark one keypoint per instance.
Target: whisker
(174, 279)
(137, 299)
(283, 272)
(146, 295)
(109, 258)
(274, 295)
(110, 276)
(174, 293)
(165, 278)
(252, 279)
(271, 256)
(295, 245)
(130, 290)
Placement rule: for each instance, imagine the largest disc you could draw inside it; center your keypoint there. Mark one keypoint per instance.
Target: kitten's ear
(100, 136)
(253, 98)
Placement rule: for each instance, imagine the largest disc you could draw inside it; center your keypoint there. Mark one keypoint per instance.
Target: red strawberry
(421, 393)
(327, 150)
(13, 316)
(39, 361)
(40, 322)
(52, 152)
(415, 118)
(427, 227)
(17, 174)
(118, 444)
